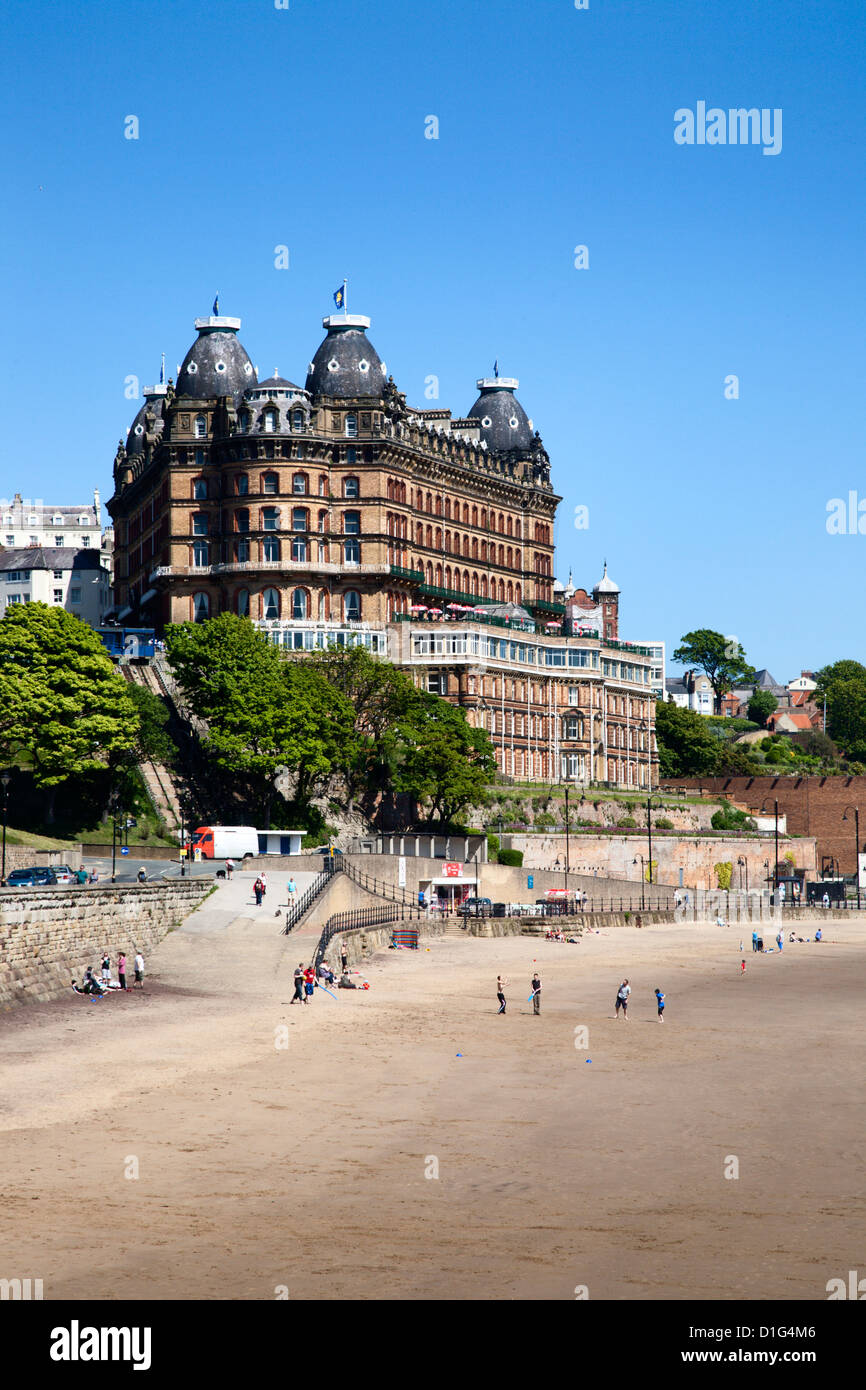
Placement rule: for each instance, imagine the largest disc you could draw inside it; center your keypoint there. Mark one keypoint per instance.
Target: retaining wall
(48, 936)
(22, 857)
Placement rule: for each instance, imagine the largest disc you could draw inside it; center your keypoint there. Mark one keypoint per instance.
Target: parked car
(63, 873)
(476, 907)
(31, 878)
(329, 850)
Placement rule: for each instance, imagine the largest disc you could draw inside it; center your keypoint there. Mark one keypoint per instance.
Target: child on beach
(622, 999)
(660, 1000)
(742, 968)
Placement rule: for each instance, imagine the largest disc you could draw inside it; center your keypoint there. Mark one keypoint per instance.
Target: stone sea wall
(48, 936)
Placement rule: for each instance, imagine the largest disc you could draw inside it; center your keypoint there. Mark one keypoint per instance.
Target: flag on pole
(216, 305)
(340, 296)
(496, 367)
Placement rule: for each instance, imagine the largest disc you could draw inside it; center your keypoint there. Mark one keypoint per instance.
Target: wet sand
(304, 1166)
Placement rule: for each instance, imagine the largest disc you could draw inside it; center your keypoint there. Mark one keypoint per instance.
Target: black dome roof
(217, 363)
(504, 422)
(154, 401)
(346, 363)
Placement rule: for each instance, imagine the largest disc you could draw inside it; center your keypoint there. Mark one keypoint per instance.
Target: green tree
(846, 713)
(722, 660)
(686, 747)
(153, 741)
(762, 704)
(66, 711)
(845, 670)
(444, 762)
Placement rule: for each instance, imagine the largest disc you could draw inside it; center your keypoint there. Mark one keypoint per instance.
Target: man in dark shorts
(536, 993)
(298, 996)
(622, 999)
(500, 992)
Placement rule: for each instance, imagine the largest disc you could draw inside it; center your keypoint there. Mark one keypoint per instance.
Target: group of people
(98, 987)
(622, 998)
(308, 978)
(534, 997)
(260, 888)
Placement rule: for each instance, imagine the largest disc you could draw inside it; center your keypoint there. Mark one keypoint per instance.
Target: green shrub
(514, 857)
(493, 848)
(664, 824)
(627, 823)
(729, 818)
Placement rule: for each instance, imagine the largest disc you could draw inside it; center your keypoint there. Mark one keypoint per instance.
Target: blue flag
(216, 305)
(340, 297)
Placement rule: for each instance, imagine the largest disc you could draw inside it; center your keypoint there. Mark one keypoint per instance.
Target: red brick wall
(813, 806)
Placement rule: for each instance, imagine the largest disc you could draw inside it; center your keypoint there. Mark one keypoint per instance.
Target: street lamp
(642, 878)
(649, 830)
(743, 863)
(182, 855)
(856, 811)
(776, 867)
(5, 778)
(112, 801)
(567, 865)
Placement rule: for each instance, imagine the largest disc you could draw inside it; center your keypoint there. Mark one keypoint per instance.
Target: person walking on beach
(263, 880)
(298, 996)
(622, 999)
(257, 889)
(500, 992)
(230, 868)
(536, 993)
(309, 983)
(121, 970)
(742, 968)
(344, 958)
(138, 965)
(754, 942)
(291, 889)
(660, 1000)
(780, 940)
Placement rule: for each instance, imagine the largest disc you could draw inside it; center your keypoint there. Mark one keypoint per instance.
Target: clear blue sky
(305, 127)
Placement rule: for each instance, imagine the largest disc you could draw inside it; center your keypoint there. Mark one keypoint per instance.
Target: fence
(378, 888)
(359, 918)
(309, 896)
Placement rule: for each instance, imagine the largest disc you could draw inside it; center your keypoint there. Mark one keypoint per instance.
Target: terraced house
(335, 512)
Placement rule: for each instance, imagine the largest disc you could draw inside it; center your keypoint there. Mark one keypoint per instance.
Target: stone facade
(49, 936)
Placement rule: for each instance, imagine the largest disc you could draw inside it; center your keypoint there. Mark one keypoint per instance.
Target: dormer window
(200, 427)
(297, 421)
(244, 421)
(270, 421)
(352, 426)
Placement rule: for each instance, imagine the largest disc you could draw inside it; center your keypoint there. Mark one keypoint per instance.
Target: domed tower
(504, 422)
(346, 365)
(217, 363)
(606, 594)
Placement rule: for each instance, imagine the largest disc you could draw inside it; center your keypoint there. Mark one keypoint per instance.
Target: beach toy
(589, 1061)
(458, 1054)
(365, 985)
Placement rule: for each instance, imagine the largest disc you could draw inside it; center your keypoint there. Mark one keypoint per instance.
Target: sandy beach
(559, 1166)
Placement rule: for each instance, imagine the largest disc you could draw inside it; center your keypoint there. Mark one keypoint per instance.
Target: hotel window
(323, 521)
(297, 421)
(199, 524)
(74, 595)
(352, 552)
(351, 487)
(351, 523)
(242, 484)
(244, 423)
(270, 484)
(299, 484)
(200, 427)
(200, 553)
(271, 548)
(573, 727)
(299, 604)
(199, 457)
(201, 607)
(199, 489)
(242, 519)
(58, 595)
(299, 548)
(574, 694)
(323, 553)
(242, 552)
(58, 574)
(301, 519)
(270, 604)
(323, 485)
(352, 426)
(270, 421)
(243, 603)
(351, 454)
(85, 542)
(58, 540)
(270, 518)
(352, 606)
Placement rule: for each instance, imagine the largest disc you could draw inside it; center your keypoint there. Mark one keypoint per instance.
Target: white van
(224, 842)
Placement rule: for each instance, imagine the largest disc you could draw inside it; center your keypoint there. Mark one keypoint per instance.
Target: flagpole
(345, 301)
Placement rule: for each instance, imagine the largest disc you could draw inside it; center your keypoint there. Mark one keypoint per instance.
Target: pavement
(235, 899)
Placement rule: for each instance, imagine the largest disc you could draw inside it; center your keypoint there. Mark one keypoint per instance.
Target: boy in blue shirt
(660, 1000)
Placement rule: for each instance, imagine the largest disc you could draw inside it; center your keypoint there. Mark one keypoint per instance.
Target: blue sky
(305, 127)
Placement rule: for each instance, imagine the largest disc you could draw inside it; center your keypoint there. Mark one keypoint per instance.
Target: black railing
(377, 887)
(296, 911)
(358, 918)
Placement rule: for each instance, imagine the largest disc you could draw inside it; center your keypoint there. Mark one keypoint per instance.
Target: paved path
(235, 899)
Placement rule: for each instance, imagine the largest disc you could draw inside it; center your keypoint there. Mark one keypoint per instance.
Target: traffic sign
(124, 849)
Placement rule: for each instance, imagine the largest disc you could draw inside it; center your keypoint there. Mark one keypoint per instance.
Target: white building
(76, 580)
(657, 670)
(24, 523)
(691, 691)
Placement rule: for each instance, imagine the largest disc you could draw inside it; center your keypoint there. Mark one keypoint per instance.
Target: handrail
(296, 911)
(357, 919)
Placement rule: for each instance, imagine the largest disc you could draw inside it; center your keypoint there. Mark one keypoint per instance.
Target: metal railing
(297, 910)
(359, 918)
(379, 888)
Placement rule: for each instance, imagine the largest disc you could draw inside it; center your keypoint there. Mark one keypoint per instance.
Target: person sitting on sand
(345, 983)
(326, 973)
(819, 935)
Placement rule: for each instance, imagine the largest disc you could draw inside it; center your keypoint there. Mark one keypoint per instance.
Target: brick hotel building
(336, 513)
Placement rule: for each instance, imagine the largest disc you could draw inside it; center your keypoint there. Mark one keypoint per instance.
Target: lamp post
(567, 864)
(642, 878)
(776, 836)
(649, 831)
(182, 848)
(113, 804)
(6, 778)
(856, 811)
(743, 863)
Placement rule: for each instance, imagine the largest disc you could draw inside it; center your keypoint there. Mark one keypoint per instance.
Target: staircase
(158, 779)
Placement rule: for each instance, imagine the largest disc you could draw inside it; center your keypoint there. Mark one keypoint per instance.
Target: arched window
(244, 424)
(323, 521)
(429, 506)
(502, 591)
(509, 592)
(270, 518)
(242, 484)
(429, 537)
(439, 504)
(501, 524)
(517, 559)
(300, 484)
(242, 519)
(297, 421)
(518, 593)
(465, 514)
(270, 422)
(200, 427)
(429, 572)
(270, 484)
(474, 516)
(438, 538)
(270, 604)
(351, 523)
(322, 615)
(419, 533)
(301, 519)
(510, 527)
(199, 523)
(271, 548)
(300, 603)
(502, 555)
(352, 426)
(242, 551)
(352, 606)
(199, 489)
(438, 576)
(483, 516)
(475, 583)
(447, 508)
(475, 547)
(351, 487)
(447, 576)
(200, 553)
(484, 586)
(509, 555)
(200, 607)
(466, 546)
(352, 552)
(242, 603)
(323, 485)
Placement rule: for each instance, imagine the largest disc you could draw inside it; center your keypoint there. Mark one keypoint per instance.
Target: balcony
(414, 576)
(287, 567)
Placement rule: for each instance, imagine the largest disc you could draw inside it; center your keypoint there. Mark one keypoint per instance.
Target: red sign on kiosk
(453, 869)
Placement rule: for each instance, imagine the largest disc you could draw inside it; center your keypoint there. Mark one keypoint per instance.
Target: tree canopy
(762, 704)
(64, 710)
(721, 658)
